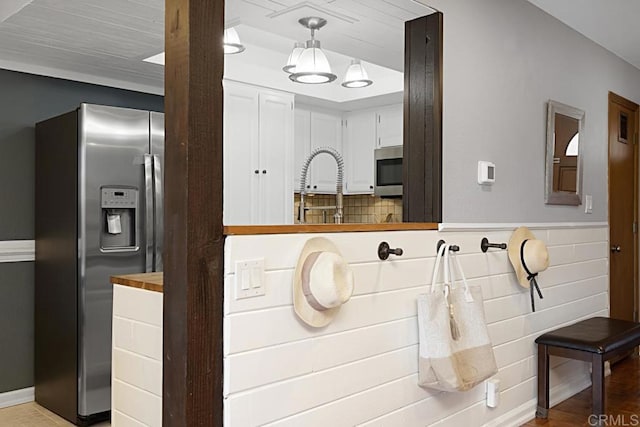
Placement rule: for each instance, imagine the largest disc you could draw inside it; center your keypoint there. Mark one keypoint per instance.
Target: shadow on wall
(16, 181)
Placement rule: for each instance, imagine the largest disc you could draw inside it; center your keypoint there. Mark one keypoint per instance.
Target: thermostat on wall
(486, 172)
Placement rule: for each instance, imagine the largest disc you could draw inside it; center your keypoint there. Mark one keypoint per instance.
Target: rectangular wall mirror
(563, 172)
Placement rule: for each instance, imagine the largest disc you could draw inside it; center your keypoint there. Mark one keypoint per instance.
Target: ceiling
(104, 42)
(612, 24)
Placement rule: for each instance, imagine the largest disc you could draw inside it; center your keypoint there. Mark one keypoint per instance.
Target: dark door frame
(194, 235)
(617, 99)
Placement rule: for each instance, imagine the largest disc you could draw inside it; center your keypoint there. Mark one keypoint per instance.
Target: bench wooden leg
(597, 383)
(543, 382)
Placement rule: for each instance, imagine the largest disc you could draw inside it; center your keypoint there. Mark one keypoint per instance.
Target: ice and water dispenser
(119, 219)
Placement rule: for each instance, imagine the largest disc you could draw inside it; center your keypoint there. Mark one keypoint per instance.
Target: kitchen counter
(148, 281)
(154, 281)
(326, 228)
(136, 350)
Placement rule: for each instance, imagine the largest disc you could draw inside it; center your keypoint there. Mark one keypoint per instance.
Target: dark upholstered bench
(594, 340)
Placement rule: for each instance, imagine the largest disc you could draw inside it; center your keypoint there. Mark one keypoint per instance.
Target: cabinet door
(276, 158)
(358, 146)
(390, 126)
(301, 145)
(326, 131)
(241, 160)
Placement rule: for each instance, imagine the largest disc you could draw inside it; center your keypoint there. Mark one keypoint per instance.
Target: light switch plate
(249, 277)
(588, 203)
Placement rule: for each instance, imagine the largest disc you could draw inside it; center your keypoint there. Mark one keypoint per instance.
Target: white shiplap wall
(136, 370)
(362, 368)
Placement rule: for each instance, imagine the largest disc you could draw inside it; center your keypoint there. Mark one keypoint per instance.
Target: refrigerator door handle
(158, 217)
(148, 215)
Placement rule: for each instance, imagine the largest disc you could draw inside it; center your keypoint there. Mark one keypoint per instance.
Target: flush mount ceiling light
(312, 66)
(298, 48)
(232, 43)
(356, 76)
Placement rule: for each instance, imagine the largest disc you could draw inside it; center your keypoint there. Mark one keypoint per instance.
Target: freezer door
(113, 143)
(157, 151)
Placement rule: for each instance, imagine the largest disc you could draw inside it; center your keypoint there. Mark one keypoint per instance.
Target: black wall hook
(384, 250)
(452, 248)
(484, 245)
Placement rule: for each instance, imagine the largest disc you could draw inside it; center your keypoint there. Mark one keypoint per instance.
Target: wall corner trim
(16, 397)
(17, 251)
(459, 226)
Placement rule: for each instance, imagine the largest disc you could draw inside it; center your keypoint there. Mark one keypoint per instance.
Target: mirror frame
(555, 197)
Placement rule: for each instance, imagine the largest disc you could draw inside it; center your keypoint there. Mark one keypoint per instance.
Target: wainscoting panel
(362, 368)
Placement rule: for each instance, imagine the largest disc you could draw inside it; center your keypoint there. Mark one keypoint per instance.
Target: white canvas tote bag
(455, 350)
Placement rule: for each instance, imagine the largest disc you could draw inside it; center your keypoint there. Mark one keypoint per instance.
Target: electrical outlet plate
(493, 392)
(249, 278)
(486, 173)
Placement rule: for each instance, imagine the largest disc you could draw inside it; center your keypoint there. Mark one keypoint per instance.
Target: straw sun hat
(528, 257)
(322, 282)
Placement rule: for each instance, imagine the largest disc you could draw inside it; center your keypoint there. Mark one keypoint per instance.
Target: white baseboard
(455, 226)
(527, 411)
(16, 397)
(17, 250)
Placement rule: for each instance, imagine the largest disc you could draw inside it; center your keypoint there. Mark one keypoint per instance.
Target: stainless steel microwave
(388, 171)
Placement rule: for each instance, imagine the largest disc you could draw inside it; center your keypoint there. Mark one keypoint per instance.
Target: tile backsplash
(361, 208)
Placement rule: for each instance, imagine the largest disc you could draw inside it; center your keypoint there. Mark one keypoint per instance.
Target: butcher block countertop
(148, 281)
(326, 228)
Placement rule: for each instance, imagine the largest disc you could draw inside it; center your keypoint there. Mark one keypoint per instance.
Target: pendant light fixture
(312, 66)
(298, 48)
(356, 76)
(232, 43)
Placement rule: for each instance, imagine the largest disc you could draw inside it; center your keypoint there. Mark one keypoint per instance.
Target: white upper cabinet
(389, 125)
(258, 155)
(358, 145)
(315, 129)
(241, 154)
(276, 158)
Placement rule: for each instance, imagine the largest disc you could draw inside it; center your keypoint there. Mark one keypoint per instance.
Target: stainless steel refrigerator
(99, 185)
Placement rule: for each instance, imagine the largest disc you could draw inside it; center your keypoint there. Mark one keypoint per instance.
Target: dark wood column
(193, 245)
(422, 163)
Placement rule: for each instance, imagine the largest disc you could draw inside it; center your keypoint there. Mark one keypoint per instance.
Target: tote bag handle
(447, 258)
(440, 258)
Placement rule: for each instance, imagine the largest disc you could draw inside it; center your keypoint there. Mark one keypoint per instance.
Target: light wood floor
(33, 415)
(622, 402)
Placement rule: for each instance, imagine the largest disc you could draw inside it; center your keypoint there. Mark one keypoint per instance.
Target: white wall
(362, 368)
(136, 354)
(503, 60)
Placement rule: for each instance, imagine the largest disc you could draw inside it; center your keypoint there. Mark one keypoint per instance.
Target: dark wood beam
(193, 244)
(422, 163)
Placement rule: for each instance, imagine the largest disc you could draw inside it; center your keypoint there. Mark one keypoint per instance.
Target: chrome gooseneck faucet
(303, 184)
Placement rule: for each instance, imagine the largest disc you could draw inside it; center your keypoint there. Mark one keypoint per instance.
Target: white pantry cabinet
(358, 145)
(389, 125)
(316, 128)
(258, 155)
